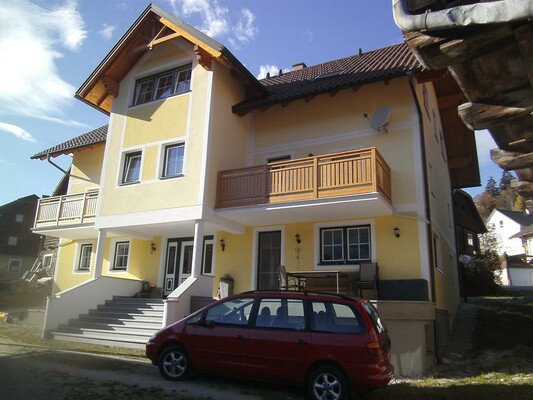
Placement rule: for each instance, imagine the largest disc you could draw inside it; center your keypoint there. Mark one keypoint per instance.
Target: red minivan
(326, 342)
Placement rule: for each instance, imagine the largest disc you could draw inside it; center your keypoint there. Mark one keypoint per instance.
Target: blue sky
(50, 47)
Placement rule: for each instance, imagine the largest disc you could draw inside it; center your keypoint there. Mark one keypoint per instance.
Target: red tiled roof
(353, 71)
(97, 135)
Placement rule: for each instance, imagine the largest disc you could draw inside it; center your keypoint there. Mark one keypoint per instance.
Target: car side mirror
(208, 323)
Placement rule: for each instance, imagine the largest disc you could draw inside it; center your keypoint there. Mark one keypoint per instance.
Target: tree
(505, 180)
(492, 188)
(490, 240)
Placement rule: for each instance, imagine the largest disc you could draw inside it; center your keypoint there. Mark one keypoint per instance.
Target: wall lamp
(222, 244)
(396, 232)
(297, 237)
(152, 248)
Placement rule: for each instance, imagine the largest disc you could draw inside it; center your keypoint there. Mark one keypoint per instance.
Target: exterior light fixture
(396, 232)
(297, 237)
(222, 244)
(152, 248)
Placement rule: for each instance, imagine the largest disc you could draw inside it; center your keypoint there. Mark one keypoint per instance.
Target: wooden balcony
(72, 209)
(337, 174)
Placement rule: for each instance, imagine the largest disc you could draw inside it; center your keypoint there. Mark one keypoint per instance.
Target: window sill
(129, 183)
(164, 178)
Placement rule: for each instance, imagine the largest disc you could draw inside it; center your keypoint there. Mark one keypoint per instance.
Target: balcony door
(269, 257)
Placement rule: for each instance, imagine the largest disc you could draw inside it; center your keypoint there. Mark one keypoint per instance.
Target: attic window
(328, 75)
(163, 85)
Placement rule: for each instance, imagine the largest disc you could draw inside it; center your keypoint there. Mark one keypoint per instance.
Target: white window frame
(114, 255)
(45, 258)
(164, 170)
(345, 250)
(181, 78)
(80, 253)
(318, 229)
(208, 242)
(12, 240)
(128, 157)
(10, 266)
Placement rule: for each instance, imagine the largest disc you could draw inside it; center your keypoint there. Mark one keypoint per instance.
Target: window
(335, 318)
(349, 244)
(122, 250)
(132, 168)
(281, 314)
(436, 251)
(12, 241)
(173, 165)
(14, 265)
(163, 85)
(231, 312)
(84, 259)
(19, 218)
(207, 267)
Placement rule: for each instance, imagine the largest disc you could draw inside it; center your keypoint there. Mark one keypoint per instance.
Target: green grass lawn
(498, 365)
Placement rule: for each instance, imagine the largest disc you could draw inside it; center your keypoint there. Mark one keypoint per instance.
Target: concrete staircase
(121, 322)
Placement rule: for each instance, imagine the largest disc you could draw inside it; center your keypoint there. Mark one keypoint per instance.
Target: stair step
(122, 309)
(125, 314)
(113, 325)
(110, 328)
(108, 335)
(116, 342)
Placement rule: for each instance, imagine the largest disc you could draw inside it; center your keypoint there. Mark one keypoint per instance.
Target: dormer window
(165, 84)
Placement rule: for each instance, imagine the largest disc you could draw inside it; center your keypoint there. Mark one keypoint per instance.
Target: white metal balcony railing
(66, 210)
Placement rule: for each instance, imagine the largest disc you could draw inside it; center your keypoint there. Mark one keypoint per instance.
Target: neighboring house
(206, 173)
(506, 224)
(19, 246)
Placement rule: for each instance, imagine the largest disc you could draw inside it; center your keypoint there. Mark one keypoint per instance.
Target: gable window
(14, 265)
(436, 252)
(345, 244)
(122, 251)
(12, 241)
(163, 85)
(84, 259)
(173, 165)
(19, 218)
(132, 168)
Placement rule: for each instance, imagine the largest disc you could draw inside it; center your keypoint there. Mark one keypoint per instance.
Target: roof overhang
(488, 48)
(154, 27)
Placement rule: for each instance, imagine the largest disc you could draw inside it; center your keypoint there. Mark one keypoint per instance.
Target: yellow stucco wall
(149, 128)
(86, 169)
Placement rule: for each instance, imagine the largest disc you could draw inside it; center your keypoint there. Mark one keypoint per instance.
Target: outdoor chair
(286, 282)
(368, 278)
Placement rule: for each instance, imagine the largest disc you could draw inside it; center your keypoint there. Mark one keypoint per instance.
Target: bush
(480, 277)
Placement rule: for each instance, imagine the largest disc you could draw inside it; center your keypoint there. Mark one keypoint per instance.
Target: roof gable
(520, 217)
(153, 27)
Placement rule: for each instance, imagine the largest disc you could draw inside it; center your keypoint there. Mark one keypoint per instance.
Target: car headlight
(152, 338)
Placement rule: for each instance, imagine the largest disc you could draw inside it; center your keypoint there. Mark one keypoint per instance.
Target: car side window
(331, 317)
(281, 314)
(230, 312)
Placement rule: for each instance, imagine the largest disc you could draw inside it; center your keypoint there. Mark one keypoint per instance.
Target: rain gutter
(495, 12)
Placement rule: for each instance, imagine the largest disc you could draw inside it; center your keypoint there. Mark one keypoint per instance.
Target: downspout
(495, 12)
(427, 204)
(48, 158)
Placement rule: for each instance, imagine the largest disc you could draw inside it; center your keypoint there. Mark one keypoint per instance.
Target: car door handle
(240, 337)
(301, 341)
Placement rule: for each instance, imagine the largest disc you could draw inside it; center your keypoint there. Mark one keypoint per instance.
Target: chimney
(299, 66)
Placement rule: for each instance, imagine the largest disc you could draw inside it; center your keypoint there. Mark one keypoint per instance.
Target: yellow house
(207, 179)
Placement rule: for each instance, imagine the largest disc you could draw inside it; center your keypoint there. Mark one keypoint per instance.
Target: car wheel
(328, 383)
(174, 363)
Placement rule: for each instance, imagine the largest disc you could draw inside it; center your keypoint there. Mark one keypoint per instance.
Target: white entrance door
(170, 269)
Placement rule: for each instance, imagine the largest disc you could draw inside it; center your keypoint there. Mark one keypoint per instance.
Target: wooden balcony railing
(336, 174)
(66, 210)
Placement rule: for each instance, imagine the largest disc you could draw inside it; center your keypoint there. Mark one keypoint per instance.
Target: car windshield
(375, 317)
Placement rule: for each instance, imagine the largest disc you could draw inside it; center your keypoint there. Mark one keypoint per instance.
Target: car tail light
(378, 348)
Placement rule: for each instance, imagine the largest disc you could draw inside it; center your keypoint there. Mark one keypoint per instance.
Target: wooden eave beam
(111, 86)
(450, 100)
(509, 160)
(203, 57)
(484, 116)
(212, 52)
(524, 39)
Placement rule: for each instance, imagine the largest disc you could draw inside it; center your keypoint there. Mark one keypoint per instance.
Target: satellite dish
(380, 118)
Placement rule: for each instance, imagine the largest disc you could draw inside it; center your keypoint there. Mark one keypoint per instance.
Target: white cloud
(31, 38)
(267, 69)
(245, 29)
(107, 31)
(217, 20)
(17, 131)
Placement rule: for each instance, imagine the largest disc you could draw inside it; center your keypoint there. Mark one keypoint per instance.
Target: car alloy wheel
(174, 363)
(328, 383)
